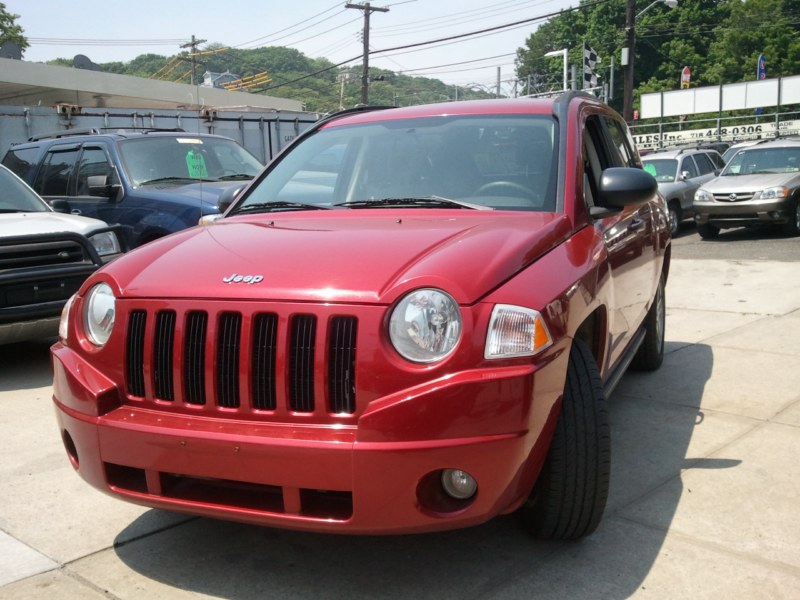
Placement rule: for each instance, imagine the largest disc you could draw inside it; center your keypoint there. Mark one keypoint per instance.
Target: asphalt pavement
(704, 502)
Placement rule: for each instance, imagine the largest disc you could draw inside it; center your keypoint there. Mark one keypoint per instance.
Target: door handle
(636, 224)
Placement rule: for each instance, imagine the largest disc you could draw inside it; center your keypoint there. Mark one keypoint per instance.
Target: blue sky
(109, 30)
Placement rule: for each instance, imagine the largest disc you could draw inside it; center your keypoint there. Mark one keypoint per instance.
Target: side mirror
(61, 205)
(227, 197)
(99, 186)
(621, 187)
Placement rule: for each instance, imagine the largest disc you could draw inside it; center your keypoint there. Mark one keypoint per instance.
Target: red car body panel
(153, 429)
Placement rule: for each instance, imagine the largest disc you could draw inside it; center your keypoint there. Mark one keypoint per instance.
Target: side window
(93, 162)
(54, 177)
(704, 164)
(688, 166)
(22, 161)
(595, 159)
(623, 153)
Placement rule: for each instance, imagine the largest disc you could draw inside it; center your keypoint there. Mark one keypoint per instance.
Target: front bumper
(366, 478)
(749, 212)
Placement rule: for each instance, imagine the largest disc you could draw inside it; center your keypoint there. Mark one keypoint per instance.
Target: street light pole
(566, 65)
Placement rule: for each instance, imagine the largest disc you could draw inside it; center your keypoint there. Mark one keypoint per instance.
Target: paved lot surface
(703, 504)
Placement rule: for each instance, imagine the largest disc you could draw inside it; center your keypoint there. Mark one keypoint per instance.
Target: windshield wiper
(235, 176)
(278, 206)
(416, 202)
(175, 179)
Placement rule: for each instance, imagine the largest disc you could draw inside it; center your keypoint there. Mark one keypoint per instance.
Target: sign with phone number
(739, 133)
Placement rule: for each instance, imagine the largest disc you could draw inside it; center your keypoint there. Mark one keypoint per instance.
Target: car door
(688, 178)
(629, 236)
(55, 176)
(93, 160)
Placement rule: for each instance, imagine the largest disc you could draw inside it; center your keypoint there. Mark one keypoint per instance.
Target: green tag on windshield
(196, 165)
(647, 167)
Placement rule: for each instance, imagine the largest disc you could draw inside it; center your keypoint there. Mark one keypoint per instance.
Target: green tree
(10, 31)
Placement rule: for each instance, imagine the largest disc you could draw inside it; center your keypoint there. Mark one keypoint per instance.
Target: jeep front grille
(233, 360)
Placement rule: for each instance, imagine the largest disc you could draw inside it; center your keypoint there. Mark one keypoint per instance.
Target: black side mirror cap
(99, 186)
(624, 186)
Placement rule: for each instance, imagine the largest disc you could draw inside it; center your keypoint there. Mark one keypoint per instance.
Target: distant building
(219, 80)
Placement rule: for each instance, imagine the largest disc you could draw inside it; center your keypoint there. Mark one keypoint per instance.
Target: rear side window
(54, 177)
(22, 161)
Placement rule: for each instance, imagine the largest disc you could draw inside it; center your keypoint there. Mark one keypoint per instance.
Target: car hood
(339, 256)
(37, 223)
(206, 193)
(749, 183)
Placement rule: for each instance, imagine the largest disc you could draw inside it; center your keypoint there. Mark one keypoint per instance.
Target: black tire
(675, 216)
(651, 353)
(570, 495)
(792, 228)
(708, 231)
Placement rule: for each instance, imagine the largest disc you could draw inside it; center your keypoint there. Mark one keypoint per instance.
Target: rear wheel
(651, 353)
(708, 231)
(570, 495)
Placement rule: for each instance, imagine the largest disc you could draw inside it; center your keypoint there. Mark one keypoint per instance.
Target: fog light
(459, 484)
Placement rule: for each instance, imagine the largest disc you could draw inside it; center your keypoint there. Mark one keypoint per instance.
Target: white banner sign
(744, 131)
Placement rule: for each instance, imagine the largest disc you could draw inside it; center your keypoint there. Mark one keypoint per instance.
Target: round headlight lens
(425, 326)
(99, 313)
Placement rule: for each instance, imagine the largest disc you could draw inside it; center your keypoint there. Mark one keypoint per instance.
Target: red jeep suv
(410, 321)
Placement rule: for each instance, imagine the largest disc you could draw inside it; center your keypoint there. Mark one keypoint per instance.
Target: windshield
(663, 169)
(15, 196)
(499, 162)
(764, 160)
(151, 159)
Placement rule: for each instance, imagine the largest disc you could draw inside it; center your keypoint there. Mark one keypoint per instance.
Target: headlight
(64, 322)
(703, 196)
(774, 193)
(98, 313)
(105, 243)
(425, 326)
(515, 331)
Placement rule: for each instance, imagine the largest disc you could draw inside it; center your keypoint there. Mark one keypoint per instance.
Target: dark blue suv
(151, 182)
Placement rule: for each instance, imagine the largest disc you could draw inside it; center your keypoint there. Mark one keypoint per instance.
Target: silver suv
(679, 174)
(760, 184)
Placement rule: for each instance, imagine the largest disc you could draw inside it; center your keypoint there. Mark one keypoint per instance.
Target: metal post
(365, 59)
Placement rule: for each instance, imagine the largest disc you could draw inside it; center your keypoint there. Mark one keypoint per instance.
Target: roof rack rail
(65, 133)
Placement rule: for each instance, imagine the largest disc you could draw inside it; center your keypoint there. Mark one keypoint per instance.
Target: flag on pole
(590, 60)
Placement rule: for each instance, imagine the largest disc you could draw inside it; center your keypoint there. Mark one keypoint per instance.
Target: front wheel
(708, 231)
(675, 217)
(793, 226)
(570, 495)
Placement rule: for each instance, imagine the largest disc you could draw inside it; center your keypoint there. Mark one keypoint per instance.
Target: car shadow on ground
(25, 365)
(653, 418)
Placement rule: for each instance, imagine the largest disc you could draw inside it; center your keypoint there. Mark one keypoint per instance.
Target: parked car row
(754, 183)
(145, 184)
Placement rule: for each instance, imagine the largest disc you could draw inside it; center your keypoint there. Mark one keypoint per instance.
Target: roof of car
(776, 143)
(79, 135)
(677, 153)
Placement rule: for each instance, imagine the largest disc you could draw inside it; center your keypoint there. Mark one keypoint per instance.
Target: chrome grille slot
(342, 365)
(194, 358)
(134, 362)
(163, 348)
(301, 363)
(265, 336)
(229, 335)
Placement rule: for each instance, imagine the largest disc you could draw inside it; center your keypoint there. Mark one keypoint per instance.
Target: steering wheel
(521, 190)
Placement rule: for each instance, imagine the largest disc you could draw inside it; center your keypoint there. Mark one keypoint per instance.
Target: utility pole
(365, 68)
(193, 45)
(627, 61)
